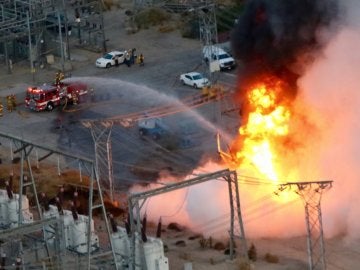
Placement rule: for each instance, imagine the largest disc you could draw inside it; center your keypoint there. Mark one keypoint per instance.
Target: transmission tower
(101, 134)
(311, 193)
(137, 200)
(208, 30)
(208, 25)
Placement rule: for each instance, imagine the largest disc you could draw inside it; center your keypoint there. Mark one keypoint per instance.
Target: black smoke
(279, 36)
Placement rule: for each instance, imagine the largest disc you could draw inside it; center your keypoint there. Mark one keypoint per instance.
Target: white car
(108, 59)
(194, 79)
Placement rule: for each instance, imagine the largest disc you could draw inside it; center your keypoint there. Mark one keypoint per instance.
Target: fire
(261, 144)
(267, 122)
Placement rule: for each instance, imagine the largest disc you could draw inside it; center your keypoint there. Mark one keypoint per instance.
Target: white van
(216, 54)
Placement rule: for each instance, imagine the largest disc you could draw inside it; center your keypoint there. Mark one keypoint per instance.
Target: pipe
(113, 223)
(59, 205)
(74, 211)
(9, 191)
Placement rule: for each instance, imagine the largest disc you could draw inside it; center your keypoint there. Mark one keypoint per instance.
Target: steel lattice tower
(311, 193)
(137, 200)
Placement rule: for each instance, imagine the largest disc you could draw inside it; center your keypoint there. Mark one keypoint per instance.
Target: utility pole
(208, 32)
(311, 193)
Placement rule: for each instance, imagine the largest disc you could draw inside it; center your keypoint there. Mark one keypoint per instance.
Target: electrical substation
(76, 229)
(39, 30)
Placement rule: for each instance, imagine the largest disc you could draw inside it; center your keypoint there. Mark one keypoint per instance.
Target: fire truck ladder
(101, 128)
(311, 193)
(137, 200)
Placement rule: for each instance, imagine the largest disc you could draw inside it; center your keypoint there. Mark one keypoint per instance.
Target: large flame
(265, 131)
(267, 122)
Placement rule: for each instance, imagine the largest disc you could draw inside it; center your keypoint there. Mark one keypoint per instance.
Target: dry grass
(151, 17)
(270, 258)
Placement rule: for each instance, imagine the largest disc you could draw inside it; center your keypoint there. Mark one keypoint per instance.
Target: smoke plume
(280, 37)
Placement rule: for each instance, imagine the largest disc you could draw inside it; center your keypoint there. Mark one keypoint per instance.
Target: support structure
(208, 29)
(25, 148)
(30, 29)
(101, 131)
(311, 193)
(137, 200)
(101, 135)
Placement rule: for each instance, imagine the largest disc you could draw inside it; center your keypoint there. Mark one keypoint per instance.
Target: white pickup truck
(216, 54)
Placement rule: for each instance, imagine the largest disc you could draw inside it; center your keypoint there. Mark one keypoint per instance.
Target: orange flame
(266, 122)
(261, 145)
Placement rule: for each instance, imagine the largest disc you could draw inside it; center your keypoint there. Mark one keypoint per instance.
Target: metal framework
(25, 148)
(137, 200)
(311, 193)
(19, 232)
(101, 130)
(26, 26)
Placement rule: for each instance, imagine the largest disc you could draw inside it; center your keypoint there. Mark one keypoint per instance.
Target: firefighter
(205, 91)
(75, 98)
(59, 76)
(212, 92)
(9, 104)
(1, 107)
(141, 59)
(13, 101)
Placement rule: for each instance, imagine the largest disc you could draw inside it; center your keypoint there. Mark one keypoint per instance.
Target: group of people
(131, 58)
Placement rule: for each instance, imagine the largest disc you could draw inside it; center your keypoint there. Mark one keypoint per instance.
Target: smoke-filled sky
(328, 95)
(279, 37)
(331, 87)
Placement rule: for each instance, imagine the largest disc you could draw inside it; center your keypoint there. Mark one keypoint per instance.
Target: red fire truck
(48, 96)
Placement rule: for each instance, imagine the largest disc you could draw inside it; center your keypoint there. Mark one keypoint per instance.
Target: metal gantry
(137, 200)
(31, 29)
(311, 193)
(25, 148)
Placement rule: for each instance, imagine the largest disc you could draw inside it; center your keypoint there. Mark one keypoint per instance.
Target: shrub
(243, 265)
(270, 258)
(252, 253)
(151, 17)
(219, 246)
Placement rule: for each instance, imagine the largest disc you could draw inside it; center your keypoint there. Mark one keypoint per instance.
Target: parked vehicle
(48, 96)
(109, 59)
(151, 127)
(194, 79)
(216, 54)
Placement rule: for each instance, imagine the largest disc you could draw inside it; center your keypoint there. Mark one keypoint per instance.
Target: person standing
(1, 108)
(127, 59)
(141, 59)
(9, 103)
(133, 55)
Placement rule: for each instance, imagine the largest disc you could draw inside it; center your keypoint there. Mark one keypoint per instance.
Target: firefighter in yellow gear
(59, 76)
(1, 107)
(13, 101)
(205, 91)
(212, 92)
(9, 103)
(75, 98)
